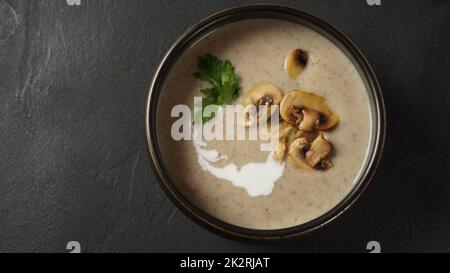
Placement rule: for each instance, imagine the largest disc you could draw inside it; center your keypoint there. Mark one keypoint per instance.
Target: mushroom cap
(263, 94)
(293, 104)
(296, 62)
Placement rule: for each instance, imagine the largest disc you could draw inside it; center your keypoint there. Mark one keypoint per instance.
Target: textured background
(73, 158)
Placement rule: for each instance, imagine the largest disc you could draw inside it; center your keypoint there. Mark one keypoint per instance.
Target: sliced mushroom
(296, 62)
(289, 111)
(294, 105)
(280, 151)
(319, 150)
(263, 94)
(310, 118)
(296, 153)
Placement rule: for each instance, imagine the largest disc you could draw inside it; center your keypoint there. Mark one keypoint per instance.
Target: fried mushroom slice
(263, 94)
(310, 118)
(296, 103)
(319, 150)
(296, 154)
(296, 62)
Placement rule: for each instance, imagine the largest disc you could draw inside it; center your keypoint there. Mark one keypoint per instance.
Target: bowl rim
(243, 12)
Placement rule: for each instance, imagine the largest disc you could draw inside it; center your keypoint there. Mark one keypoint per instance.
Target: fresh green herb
(224, 82)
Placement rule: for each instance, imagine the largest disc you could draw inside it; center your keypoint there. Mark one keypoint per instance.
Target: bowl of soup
(284, 68)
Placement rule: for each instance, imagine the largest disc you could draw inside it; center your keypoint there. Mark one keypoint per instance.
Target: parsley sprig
(224, 82)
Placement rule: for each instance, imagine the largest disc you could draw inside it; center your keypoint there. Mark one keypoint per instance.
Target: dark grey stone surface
(73, 157)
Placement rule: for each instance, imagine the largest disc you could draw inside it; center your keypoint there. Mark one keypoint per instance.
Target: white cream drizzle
(257, 178)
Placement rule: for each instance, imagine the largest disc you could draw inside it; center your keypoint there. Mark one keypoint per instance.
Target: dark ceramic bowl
(205, 26)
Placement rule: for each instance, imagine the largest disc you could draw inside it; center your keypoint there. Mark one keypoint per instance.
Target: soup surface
(258, 49)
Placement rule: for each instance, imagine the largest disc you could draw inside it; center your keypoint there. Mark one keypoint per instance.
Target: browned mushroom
(296, 153)
(262, 94)
(319, 150)
(296, 62)
(310, 118)
(297, 103)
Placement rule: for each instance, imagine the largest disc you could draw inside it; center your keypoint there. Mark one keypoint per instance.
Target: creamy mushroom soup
(234, 180)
